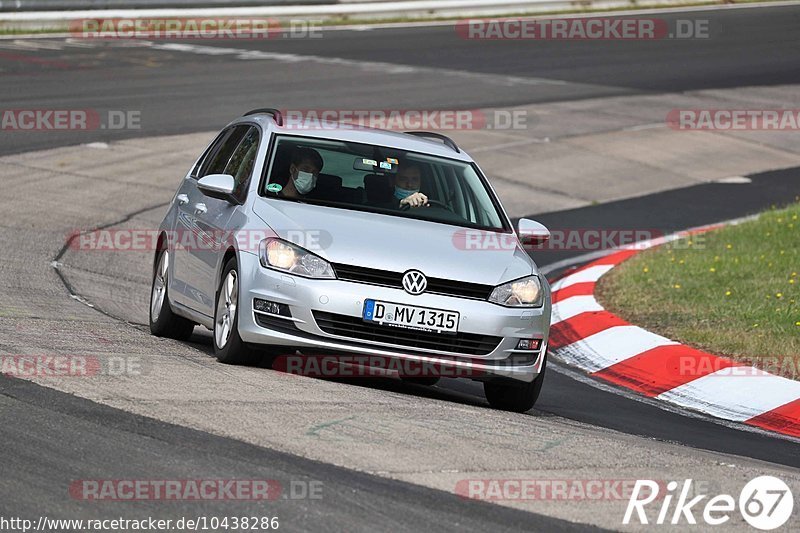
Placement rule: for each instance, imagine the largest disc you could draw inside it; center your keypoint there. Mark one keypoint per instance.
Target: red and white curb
(585, 335)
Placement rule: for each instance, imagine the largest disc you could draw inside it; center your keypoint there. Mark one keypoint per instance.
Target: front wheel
(228, 345)
(511, 396)
(163, 322)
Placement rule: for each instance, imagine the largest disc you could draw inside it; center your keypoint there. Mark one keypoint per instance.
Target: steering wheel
(440, 204)
(437, 203)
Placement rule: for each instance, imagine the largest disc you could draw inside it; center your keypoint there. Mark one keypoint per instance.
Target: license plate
(410, 317)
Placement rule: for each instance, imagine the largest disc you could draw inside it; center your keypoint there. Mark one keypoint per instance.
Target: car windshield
(372, 178)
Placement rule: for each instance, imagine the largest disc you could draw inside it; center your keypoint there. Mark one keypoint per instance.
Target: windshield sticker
(386, 165)
(370, 162)
(275, 187)
(392, 160)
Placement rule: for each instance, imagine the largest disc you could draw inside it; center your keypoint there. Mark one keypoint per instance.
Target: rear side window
(221, 152)
(242, 161)
(210, 150)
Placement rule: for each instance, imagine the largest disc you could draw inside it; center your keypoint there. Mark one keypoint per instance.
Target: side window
(213, 147)
(218, 158)
(242, 161)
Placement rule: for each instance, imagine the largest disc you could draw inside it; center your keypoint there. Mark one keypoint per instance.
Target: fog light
(273, 308)
(529, 344)
(520, 359)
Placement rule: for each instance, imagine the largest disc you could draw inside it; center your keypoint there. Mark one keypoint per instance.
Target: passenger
(303, 172)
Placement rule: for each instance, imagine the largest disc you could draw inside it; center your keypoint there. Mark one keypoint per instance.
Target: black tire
(425, 381)
(233, 351)
(163, 321)
(514, 396)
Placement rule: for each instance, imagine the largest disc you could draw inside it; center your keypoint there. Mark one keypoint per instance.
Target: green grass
(733, 291)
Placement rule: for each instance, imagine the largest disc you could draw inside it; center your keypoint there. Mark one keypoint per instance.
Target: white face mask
(304, 182)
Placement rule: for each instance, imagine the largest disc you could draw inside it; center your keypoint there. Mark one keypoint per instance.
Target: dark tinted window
(242, 161)
(210, 150)
(220, 155)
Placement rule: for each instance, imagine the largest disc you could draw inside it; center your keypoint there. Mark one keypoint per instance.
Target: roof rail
(444, 138)
(276, 114)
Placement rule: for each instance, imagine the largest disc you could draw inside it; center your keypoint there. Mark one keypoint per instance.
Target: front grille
(355, 328)
(388, 278)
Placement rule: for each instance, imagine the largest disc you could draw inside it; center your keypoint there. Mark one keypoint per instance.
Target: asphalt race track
(232, 424)
(178, 93)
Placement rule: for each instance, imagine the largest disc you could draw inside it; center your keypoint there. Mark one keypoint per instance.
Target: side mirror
(218, 186)
(531, 233)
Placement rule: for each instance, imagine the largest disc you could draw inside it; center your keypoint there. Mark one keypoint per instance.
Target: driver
(406, 185)
(303, 172)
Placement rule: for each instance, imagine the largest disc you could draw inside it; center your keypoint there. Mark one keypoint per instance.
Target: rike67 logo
(765, 503)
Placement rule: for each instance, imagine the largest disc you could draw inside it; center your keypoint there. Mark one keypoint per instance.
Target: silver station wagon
(357, 243)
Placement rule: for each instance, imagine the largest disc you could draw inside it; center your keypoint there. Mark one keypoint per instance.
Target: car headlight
(525, 292)
(283, 255)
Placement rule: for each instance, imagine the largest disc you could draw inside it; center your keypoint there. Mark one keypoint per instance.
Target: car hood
(398, 244)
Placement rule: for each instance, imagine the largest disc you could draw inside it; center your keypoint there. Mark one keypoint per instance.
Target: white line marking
(587, 275)
(610, 347)
(641, 127)
(80, 43)
(370, 66)
(512, 144)
(14, 45)
(736, 394)
(737, 180)
(21, 44)
(566, 309)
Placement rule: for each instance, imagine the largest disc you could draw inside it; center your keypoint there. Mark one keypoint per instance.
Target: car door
(184, 230)
(190, 236)
(236, 158)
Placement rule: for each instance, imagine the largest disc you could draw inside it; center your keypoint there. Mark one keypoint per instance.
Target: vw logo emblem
(414, 282)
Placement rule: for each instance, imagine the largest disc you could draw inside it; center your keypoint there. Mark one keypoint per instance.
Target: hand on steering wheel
(418, 199)
(414, 200)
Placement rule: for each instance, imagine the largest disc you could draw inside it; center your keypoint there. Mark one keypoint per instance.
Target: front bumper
(304, 297)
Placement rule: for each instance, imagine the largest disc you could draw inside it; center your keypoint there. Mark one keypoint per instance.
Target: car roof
(362, 134)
